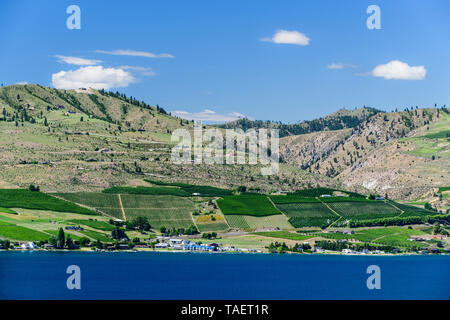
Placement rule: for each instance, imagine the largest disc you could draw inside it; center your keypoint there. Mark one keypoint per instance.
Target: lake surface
(152, 275)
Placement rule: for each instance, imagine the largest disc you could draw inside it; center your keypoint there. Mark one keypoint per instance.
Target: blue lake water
(42, 275)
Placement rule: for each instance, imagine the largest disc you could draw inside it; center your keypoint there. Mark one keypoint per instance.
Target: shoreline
(229, 252)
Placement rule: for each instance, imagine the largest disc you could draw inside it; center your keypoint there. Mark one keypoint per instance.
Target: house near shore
(161, 245)
(28, 246)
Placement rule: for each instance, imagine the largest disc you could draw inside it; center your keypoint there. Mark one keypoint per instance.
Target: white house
(28, 246)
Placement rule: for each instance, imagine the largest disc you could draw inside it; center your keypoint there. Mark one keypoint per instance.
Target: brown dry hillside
(388, 153)
(84, 140)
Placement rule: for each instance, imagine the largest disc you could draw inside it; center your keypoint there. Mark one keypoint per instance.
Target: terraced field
(364, 210)
(23, 198)
(168, 211)
(253, 223)
(308, 214)
(103, 202)
(412, 211)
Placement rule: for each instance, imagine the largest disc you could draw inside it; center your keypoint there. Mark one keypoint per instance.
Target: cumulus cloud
(288, 37)
(77, 61)
(135, 53)
(399, 70)
(208, 115)
(96, 77)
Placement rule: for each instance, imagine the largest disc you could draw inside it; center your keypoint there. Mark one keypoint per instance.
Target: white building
(28, 246)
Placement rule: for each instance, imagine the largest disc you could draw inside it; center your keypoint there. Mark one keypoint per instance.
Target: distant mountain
(338, 120)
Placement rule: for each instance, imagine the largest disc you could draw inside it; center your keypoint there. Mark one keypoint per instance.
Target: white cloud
(134, 53)
(77, 61)
(208, 115)
(142, 70)
(22, 83)
(340, 66)
(399, 70)
(288, 37)
(95, 77)
(335, 66)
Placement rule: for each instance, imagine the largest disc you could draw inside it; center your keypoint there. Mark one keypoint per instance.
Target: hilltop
(88, 140)
(340, 119)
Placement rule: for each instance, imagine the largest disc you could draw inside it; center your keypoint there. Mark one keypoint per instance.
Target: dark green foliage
(194, 189)
(400, 221)
(247, 204)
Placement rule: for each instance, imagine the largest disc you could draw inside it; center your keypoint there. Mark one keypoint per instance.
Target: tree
(84, 241)
(61, 239)
(45, 122)
(163, 229)
(33, 188)
(241, 189)
(69, 242)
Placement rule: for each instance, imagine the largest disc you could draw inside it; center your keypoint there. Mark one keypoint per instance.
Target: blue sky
(225, 57)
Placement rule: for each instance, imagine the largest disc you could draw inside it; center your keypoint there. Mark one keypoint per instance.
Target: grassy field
(100, 225)
(66, 233)
(22, 198)
(284, 235)
(211, 222)
(392, 236)
(250, 205)
(97, 235)
(364, 210)
(5, 210)
(213, 227)
(15, 232)
(253, 223)
(308, 214)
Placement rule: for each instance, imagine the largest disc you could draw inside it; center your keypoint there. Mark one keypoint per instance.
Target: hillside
(403, 154)
(88, 140)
